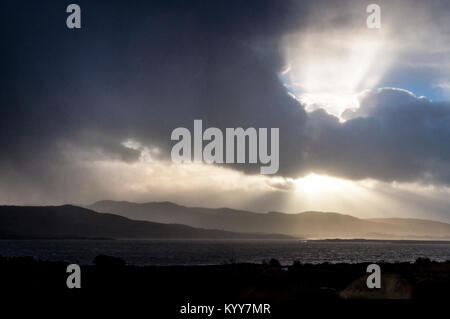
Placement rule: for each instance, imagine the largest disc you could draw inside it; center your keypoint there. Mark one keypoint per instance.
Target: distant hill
(308, 224)
(413, 226)
(75, 222)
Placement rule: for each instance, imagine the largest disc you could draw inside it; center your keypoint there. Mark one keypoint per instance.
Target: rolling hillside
(306, 224)
(75, 222)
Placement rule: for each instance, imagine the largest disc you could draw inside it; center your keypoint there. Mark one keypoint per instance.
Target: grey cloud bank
(393, 136)
(237, 145)
(160, 65)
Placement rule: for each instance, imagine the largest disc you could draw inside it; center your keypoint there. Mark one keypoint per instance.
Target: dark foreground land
(266, 281)
(169, 288)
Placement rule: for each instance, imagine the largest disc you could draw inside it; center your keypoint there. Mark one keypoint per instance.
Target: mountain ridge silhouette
(310, 224)
(69, 221)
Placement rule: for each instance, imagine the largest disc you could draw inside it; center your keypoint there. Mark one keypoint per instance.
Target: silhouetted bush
(297, 263)
(274, 262)
(422, 261)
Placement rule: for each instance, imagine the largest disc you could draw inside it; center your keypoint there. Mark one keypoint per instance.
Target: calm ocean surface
(207, 252)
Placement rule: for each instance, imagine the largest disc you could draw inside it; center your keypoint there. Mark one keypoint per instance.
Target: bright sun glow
(327, 193)
(315, 184)
(331, 73)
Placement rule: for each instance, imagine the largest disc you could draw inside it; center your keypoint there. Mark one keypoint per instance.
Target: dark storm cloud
(136, 72)
(394, 135)
(139, 71)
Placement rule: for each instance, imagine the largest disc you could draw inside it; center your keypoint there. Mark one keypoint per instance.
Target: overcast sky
(364, 114)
